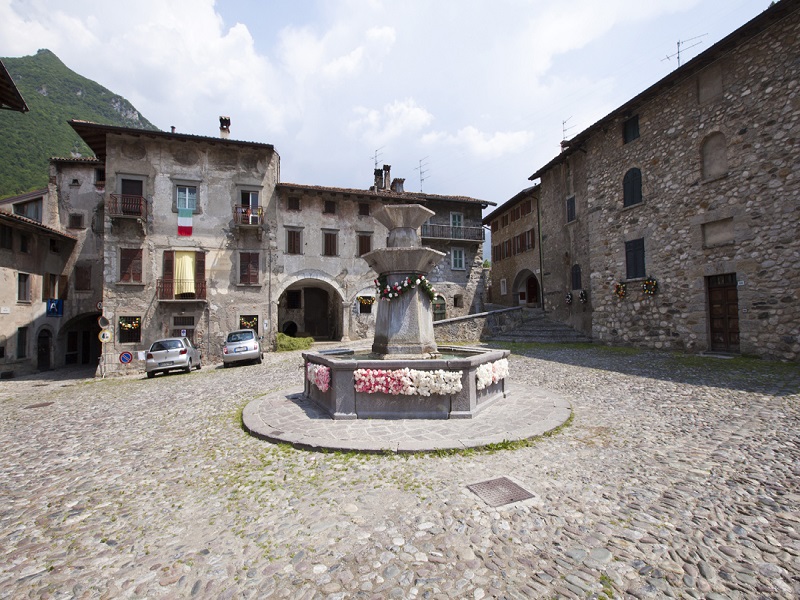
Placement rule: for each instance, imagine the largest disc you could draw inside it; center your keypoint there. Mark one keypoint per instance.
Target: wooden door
(315, 312)
(723, 313)
(532, 290)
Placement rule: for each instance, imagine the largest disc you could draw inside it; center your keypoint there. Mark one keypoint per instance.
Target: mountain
(54, 94)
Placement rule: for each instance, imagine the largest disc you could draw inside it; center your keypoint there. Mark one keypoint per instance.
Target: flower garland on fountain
(490, 373)
(407, 382)
(395, 290)
(319, 375)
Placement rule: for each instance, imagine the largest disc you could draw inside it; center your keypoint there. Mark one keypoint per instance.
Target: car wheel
(258, 360)
(226, 365)
(151, 374)
(188, 368)
(199, 366)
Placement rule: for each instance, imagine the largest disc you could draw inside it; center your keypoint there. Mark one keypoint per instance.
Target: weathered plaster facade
(698, 180)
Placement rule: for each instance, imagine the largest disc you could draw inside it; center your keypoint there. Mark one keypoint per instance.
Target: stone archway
(311, 307)
(526, 288)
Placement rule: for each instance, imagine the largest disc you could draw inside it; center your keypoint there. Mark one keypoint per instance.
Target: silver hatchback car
(242, 345)
(172, 354)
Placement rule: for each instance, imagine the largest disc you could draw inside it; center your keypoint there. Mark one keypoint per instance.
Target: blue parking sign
(55, 307)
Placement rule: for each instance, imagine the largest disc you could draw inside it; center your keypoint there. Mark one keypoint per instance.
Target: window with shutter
(634, 259)
(248, 268)
(632, 187)
(130, 265)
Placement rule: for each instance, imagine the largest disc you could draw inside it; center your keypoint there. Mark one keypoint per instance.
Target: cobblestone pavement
(677, 477)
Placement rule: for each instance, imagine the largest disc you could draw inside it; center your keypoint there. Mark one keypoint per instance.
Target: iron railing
(448, 232)
(127, 205)
(181, 289)
(245, 215)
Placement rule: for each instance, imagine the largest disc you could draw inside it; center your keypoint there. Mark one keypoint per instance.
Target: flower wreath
(248, 323)
(395, 290)
(649, 286)
(619, 290)
(568, 298)
(583, 296)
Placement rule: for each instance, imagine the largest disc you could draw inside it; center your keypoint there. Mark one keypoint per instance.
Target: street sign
(103, 322)
(125, 358)
(55, 307)
(105, 335)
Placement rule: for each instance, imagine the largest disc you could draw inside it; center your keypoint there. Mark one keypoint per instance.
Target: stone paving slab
(526, 412)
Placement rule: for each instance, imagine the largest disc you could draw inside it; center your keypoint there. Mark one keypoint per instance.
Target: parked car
(242, 345)
(171, 354)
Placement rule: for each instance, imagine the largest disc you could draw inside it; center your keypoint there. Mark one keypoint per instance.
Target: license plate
(166, 363)
(236, 350)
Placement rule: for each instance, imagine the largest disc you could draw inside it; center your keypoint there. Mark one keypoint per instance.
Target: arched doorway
(44, 347)
(532, 290)
(311, 308)
(526, 288)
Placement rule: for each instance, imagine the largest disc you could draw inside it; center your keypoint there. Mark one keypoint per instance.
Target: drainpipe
(541, 254)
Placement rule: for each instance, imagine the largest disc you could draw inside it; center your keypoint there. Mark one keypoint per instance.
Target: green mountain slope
(54, 94)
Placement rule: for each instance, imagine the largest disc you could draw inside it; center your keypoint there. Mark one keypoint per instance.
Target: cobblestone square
(676, 477)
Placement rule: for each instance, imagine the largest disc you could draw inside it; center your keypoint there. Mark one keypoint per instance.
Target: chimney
(397, 185)
(224, 127)
(564, 145)
(378, 179)
(173, 128)
(387, 169)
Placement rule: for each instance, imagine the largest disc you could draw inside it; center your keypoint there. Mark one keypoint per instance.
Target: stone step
(538, 327)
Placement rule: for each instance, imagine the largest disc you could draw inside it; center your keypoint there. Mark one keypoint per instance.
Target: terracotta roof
(25, 197)
(20, 220)
(385, 195)
(75, 159)
(510, 203)
(94, 134)
(10, 98)
(766, 19)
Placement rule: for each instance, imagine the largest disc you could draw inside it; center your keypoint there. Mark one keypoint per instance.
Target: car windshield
(166, 345)
(240, 336)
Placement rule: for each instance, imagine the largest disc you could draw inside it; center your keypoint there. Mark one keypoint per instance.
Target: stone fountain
(406, 375)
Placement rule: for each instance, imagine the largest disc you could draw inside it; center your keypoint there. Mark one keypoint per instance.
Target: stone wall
(472, 328)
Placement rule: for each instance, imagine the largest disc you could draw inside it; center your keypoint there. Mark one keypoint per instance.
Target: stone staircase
(539, 328)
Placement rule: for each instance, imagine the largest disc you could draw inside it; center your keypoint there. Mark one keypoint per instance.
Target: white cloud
(399, 118)
(481, 144)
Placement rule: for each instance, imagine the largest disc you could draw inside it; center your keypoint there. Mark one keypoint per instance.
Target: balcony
(432, 231)
(126, 206)
(245, 216)
(181, 290)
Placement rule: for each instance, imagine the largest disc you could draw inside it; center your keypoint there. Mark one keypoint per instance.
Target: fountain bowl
(341, 400)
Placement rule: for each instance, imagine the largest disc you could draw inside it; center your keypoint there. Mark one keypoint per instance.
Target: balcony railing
(181, 289)
(245, 216)
(448, 232)
(127, 206)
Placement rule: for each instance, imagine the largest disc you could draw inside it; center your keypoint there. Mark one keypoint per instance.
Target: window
(49, 286)
(248, 268)
(457, 259)
(294, 299)
(293, 203)
(83, 277)
(186, 197)
(22, 342)
(75, 221)
(130, 330)
(365, 304)
(330, 207)
(503, 287)
(329, 243)
(6, 237)
(24, 243)
(634, 258)
(30, 210)
(495, 225)
(364, 243)
(576, 277)
(458, 301)
(630, 129)
(294, 241)
(363, 209)
(570, 209)
(248, 322)
(23, 287)
(250, 200)
(55, 248)
(632, 187)
(183, 326)
(504, 220)
(99, 176)
(130, 265)
(456, 219)
(526, 207)
(530, 239)
(184, 275)
(715, 156)
(439, 306)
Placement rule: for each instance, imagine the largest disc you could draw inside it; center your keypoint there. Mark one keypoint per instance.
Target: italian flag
(184, 221)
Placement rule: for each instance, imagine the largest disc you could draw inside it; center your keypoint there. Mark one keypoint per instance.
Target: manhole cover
(40, 405)
(499, 491)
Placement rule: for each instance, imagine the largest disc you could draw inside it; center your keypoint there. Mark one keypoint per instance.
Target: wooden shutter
(130, 267)
(169, 265)
(199, 266)
(63, 287)
(248, 267)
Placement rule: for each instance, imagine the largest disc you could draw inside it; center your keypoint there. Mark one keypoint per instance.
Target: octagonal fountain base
(339, 397)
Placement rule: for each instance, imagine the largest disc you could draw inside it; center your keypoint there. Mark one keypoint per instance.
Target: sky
(460, 97)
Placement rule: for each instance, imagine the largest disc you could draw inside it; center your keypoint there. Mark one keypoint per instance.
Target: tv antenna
(681, 44)
(376, 157)
(422, 170)
(564, 128)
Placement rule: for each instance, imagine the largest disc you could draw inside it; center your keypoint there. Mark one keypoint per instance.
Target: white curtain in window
(184, 273)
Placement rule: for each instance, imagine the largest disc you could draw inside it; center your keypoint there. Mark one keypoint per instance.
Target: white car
(242, 345)
(172, 354)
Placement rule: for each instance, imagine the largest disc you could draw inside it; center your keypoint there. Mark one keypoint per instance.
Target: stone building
(679, 210)
(199, 237)
(516, 251)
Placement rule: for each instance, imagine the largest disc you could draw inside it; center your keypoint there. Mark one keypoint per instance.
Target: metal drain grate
(499, 491)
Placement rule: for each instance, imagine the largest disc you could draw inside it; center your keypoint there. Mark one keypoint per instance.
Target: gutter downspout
(541, 254)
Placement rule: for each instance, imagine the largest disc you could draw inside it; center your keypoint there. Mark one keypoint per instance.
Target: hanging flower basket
(395, 290)
(583, 296)
(248, 323)
(568, 298)
(619, 290)
(366, 300)
(649, 286)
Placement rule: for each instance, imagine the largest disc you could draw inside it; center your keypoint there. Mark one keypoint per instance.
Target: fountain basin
(342, 400)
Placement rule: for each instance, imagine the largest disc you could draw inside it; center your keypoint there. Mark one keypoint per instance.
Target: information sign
(105, 335)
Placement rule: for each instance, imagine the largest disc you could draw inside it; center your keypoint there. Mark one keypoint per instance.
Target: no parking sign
(125, 358)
